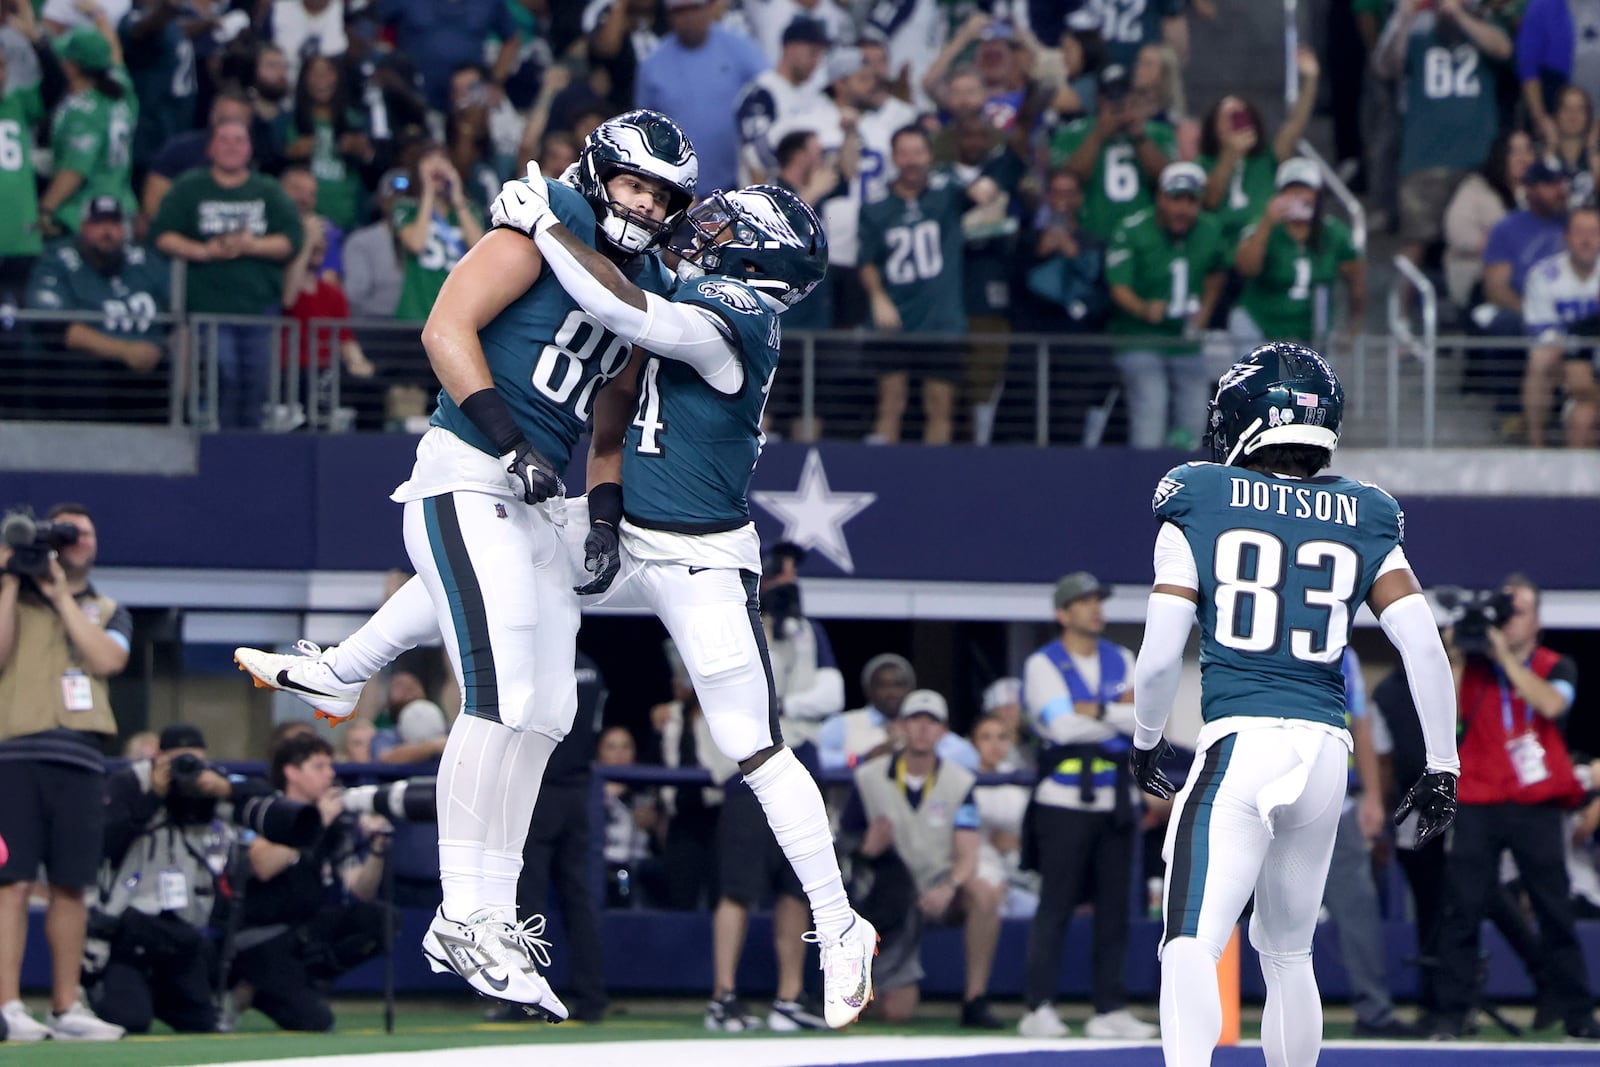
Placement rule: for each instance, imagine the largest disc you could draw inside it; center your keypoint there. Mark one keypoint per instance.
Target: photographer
(149, 955)
(1516, 781)
(59, 642)
(809, 686)
(308, 914)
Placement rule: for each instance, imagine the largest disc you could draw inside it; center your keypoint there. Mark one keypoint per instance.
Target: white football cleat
(494, 957)
(846, 971)
(304, 673)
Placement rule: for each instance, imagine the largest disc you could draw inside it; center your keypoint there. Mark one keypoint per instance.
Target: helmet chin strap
(1244, 438)
(625, 234)
(688, 272)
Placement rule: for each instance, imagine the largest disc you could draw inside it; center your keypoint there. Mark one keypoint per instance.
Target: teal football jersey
(1284, 564)
(690, 450)
(547, 356)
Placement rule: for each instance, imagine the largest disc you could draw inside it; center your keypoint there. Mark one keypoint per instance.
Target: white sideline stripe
(804, 1051)
(716, 1052)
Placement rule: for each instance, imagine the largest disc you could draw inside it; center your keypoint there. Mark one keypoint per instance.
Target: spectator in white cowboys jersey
(1563, 299)
(786, 90)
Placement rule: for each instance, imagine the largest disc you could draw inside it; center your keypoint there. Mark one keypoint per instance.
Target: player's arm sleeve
(1156, 672)
(1411, 628)
(1174, 559)
(683, 332)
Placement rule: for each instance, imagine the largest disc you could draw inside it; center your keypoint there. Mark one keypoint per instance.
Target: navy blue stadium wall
(287, 502)
(669, 953)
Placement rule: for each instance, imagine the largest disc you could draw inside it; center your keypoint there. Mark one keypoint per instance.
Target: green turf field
(423, 1025)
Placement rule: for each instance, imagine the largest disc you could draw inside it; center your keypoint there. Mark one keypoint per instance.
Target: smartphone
(1300, 211)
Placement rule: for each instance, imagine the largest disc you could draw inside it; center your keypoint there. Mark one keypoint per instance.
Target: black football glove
(1146, 764)
(601, 557)
(1434, 798)
(532, 474)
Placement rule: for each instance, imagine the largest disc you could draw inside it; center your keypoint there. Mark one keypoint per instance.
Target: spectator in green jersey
(1240, 162)
(1117, 154)
(911, 268)
(92, 136)
(435, 231)
(157, 40)
(21, 111)
(330, 137)
(110, 362)
(1290, 259)
(236, 229)
(1166, 267)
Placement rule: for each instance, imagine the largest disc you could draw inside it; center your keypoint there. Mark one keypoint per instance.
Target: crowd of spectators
(1039, 194)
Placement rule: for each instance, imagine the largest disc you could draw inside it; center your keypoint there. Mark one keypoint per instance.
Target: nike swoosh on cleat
(285, 682)
(498, 986)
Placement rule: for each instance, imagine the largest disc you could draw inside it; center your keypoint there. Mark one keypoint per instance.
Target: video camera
(32, 540)
(253, 805)
(408, 800)
(1474, 614)
(781, 603)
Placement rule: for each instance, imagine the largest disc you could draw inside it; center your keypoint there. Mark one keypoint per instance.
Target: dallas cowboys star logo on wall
(813, 515)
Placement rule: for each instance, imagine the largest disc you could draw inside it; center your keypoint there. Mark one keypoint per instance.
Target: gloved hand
(1434, 798)
(524, 206)
(601, 558)
(1146, 764)
(532, 475)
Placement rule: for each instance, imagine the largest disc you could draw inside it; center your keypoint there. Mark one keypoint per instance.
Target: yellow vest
(31, 693)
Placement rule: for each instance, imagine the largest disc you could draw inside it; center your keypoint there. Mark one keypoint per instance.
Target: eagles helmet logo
(1239, 372)
(735, 297)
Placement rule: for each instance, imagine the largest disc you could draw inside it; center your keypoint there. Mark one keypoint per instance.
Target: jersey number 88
(559, 374)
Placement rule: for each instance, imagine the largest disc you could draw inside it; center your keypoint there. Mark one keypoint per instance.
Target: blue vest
(1089, 766)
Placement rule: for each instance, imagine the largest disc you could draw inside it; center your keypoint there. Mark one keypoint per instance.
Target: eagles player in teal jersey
(521, 364)
(1275, 559)
(676, 534)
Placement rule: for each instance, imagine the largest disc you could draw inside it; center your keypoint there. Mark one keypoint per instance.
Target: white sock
(794, 809)
(1191, 1007)
(527, 753)
(468, 788)
(402, 622)
(501, 869)
(1291, 1022)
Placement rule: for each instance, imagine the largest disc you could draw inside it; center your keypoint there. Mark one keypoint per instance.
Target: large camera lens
(281, 821)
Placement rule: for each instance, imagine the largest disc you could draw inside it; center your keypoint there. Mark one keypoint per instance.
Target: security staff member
(1078, 692)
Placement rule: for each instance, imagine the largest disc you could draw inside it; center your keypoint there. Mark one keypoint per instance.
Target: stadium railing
(1412, 386)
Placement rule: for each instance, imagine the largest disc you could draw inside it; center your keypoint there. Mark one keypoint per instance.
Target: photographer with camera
(308, 913)
(150, 951)
(1516, 781)
(60, 641)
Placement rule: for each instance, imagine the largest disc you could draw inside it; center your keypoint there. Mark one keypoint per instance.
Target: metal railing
(50, 372)
(1403, 340)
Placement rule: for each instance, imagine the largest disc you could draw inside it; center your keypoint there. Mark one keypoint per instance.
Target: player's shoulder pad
(571, 208)
(1382, 510)
(1181, 487)
(726, 295)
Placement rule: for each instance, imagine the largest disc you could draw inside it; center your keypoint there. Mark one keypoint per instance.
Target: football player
(676, 534)
(1275, 558)
(521, 364)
